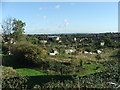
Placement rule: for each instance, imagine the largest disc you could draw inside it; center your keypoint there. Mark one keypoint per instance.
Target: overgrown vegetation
(29, 54)
(11, 79)
(69, 62)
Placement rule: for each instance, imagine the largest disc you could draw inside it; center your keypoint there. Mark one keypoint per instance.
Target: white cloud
(57, 6)
(66, 22)
(41, 8)
(45, 17)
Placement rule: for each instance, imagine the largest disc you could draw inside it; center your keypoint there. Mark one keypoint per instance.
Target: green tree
(12, 31)
(18, 29)
(28, 54)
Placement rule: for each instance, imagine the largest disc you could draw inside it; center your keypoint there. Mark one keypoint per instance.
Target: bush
(28, 53)
(98, 57)
(10, 79)
(89, 49)
(5, 49)
(118, 53)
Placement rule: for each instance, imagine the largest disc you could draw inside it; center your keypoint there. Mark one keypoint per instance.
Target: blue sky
(64, 17)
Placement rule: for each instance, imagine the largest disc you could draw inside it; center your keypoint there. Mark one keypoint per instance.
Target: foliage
(55, 66)
(98, 57)
(59, 84)
(7, 28)
(89, 49)
(5, 49)
(108, 41)
(98, 80)
(18, 28)
(33, 40)
(12, 28)
(118, 53)
(12, 31)
(28, 53)
(94, 74)
(11, 79)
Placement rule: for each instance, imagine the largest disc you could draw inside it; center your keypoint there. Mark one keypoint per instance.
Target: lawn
(39, 77)
(29, 72)
(91, 69)
(3, 55)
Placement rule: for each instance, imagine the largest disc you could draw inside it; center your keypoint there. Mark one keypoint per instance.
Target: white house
(69, 51)
(43, 41)
(99, 52)
(54, 52)
(85, 52)
(56, 38)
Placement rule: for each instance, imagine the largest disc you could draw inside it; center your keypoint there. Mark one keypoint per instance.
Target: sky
(64, 17)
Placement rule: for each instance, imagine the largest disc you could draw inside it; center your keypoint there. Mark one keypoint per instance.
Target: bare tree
(12, 30)
(7, 30)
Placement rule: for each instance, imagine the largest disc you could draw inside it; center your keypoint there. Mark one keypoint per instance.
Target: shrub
(10, 79)
(89, 49)
(98, 57)
(28, 53)
(55, 66)
(5, 49)
(118, 53)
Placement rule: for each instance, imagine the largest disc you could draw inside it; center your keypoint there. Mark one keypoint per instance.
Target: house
(69, 51)
(43, 41)
(54, 38)
(85, 52)
(11, 41)
(53, 52)
(99, 52)
(102, 43)
(59, 41)
(75, 39)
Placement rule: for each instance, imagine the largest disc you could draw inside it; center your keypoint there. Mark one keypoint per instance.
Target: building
(54, 38)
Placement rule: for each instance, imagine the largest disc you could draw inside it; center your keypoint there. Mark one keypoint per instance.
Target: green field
(88, 69)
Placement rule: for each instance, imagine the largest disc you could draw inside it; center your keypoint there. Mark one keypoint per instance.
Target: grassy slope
(29, 72)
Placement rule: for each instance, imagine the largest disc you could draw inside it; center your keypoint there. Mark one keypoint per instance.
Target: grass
(88, 69)
(3, 55)
(39, 77)
(91, 69)
(29, 72)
